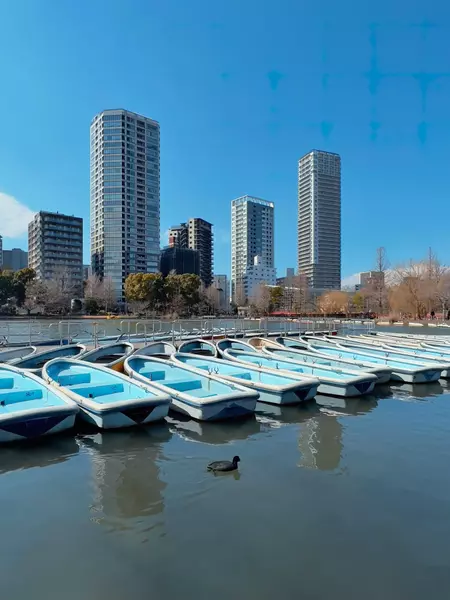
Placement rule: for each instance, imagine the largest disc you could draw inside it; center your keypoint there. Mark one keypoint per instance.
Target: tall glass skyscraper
(125, 195)
(319, 219)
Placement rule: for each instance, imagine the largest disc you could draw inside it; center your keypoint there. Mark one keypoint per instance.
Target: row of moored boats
(115, 386)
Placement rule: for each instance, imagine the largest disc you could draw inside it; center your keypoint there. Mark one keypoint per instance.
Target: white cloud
(350, 281)
(164, 238)
(14, 217)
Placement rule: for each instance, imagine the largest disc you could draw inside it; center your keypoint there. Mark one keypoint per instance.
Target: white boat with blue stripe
(428, 368)
(273, 388)
(336, 382)
(382, 373)
(202, 347)
(30, 408)
(204, 396)
(106, 398)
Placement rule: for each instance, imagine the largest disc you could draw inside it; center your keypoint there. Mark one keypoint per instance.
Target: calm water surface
(334, 499)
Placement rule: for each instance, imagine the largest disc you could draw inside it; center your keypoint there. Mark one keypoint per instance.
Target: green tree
(276, 297)
(6, 286)
(358, 301)
(146, 288)
(21, 279)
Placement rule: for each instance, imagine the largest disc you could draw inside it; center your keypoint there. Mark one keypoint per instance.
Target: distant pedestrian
(432, 314)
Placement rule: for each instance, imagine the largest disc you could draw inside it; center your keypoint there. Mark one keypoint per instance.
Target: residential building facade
(55, 247)
(319, 219)
(180, 260)
(196, 234)
(15, 259)
(125, 195)
(200, 238)
(179, 235)
(252, 235)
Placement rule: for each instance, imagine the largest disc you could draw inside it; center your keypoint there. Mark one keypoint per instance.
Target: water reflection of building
(125, 474)
(321, 437)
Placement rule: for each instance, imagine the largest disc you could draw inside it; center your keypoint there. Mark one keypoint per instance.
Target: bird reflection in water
(126, 481)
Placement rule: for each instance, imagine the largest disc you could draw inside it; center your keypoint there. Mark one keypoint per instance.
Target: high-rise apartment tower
(125, 195)
(319, 219)
(252, 245)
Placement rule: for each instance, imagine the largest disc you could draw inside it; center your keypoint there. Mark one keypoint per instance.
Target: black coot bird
(224, 465)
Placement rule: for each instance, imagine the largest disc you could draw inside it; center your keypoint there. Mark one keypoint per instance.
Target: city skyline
(222, 139)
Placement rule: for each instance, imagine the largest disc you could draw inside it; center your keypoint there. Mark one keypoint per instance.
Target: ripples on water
(342, 498)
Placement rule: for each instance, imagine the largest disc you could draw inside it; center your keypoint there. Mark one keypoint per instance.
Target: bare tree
(61, 289)
(334, 302)
(375, 292)
(239, 294)
(261, 300)
(108, 294)
(36, 296)
(212, 295)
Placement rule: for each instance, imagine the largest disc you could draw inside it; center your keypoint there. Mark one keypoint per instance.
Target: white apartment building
(319, 219)
(252, 235)
(125, 195)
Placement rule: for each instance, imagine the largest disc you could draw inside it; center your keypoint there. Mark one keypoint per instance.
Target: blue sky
(242, 89)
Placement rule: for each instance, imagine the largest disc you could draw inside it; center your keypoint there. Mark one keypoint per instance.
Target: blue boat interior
(178, 379)
(103, 387)
(38, 360)
(380, 357)
(235, 370)
(198, 347)
(274, 363)
(233, 344)
(19, 392)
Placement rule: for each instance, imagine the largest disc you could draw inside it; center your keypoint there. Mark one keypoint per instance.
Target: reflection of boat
(202, 347)
(30, 408)
(201, 396)
(409, 391)
(106, 398)
(35, 363)
(56, 450)
(112, 355)
(157, 349)
(16, 353)
(126, 475)
(214, 432)
(272, 387)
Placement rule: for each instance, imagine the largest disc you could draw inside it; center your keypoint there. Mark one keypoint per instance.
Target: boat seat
(11, 396)
(153, 375)
(74, 378)
(97, 389)
(183, 385)
(6, 383)
(240, 375)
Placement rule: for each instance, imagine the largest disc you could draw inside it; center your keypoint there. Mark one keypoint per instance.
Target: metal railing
(16, 332)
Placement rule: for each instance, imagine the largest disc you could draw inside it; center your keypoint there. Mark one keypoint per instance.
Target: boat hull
(36, 425)
(125, 417)
(217, 411)
(288, 397)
